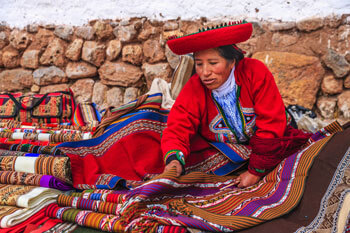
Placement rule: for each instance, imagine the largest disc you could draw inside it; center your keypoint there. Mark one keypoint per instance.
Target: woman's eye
(198, 64)
(213, 63)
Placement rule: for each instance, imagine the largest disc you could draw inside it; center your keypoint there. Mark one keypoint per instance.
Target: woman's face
(212, 69)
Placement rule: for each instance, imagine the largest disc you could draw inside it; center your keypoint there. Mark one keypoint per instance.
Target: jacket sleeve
(183, 122)
(271, 119)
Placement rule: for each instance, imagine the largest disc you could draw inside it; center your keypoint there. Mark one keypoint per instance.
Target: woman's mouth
(208, 81)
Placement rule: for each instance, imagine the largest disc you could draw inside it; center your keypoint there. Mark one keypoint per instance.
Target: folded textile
(37, 219)
(12, 153)
(52, 137)
(23, 178)
(25, 196)
(105, 222)
(87, 204)
(52, 126)
(8, 142)
(19, 202)
(87, 114)
(56, 225)
(48, 150)
(56, 166)
(38, 130)
(106, 195)
(11, 215)
(19, 153)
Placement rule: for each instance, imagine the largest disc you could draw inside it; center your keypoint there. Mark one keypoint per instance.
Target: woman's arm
(183, 122)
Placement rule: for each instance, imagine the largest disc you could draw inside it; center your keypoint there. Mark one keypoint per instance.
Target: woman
(230, 99)
(227, 113)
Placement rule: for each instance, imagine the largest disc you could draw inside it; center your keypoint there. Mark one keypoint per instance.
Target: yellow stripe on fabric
(93, 220)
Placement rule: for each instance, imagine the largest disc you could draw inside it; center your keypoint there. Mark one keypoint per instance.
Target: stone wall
(112, 62)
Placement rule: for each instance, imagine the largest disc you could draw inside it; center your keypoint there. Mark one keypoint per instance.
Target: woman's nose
(206, 70)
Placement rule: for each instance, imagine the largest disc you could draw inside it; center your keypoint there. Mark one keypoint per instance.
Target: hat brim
(211, 38)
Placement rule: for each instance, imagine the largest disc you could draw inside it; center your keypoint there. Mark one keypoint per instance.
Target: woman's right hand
(176, 164)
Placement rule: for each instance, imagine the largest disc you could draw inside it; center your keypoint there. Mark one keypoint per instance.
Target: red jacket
(195, 111)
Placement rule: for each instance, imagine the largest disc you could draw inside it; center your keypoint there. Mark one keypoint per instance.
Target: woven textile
(86, 114)
(88, 204)
(23, 178)
(51, 126)
(55, 166)
(57, 107)
(19, 153)
(47, 150)
(19, 202)
(335, 206)
(105, 222)
(25, 196)
(36, 219)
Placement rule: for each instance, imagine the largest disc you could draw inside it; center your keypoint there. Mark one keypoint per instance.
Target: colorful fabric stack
(19, 202)
(202, 201)
(33, 172)
(28, 183)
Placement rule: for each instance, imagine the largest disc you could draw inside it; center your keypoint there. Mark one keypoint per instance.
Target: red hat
(211, 38)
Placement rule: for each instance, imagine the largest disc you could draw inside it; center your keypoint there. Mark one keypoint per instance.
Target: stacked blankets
(33, 172)
(210, 203)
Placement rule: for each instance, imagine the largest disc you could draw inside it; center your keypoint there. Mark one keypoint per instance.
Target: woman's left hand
(246, 179)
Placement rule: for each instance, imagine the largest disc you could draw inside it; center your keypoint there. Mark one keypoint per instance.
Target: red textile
(268, 152)
(131, 158)
(195, 112)
(47, 226)
(36, 219)
(211, 38)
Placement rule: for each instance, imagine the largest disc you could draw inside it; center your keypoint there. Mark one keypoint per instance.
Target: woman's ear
(232, 64)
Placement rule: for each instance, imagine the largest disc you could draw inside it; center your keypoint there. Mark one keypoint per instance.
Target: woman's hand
(246, 179)
(174, 163)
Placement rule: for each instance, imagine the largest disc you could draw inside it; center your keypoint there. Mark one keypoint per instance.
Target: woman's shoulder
(251, 70)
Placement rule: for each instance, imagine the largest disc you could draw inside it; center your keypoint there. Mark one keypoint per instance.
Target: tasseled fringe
(230, 23)
(222, 25)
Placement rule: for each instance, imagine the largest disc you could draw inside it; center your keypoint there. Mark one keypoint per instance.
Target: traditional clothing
(261, 110)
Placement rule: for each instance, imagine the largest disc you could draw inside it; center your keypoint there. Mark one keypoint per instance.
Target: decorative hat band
(211, 38)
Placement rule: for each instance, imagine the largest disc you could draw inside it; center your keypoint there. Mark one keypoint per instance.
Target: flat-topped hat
(213, 37)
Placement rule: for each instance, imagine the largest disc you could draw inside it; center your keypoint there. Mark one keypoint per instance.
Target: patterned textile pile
(196, 200)
(33, 172)
(29, 182)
